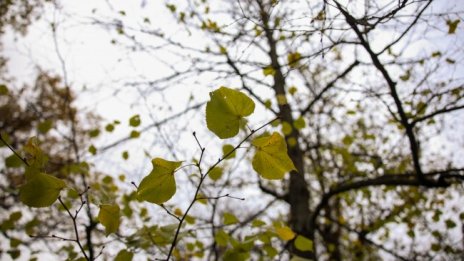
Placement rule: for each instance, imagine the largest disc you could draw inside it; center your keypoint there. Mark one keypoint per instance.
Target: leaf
(109, 217)
(285, 233)
(134, 134)
(125, 155)
(292, 90)
(293, 59)
(271, 160)
(159, 186)
(40, 190)
(303, 244)
(134, 121)
(257, 223)
(94, 133)
(13, 161)
(92, 150)
(202, 199)
(215, 173)
(452, 25)
(3, 90)
(124, 255)
(281, 99)
(229, 218)
(225, 110)
(221, 238)
(268, 70)
(299, 123)
(286, 128)
(226, 149)
(34, 154)
(450, 224)
(109, 127)
(45, 126)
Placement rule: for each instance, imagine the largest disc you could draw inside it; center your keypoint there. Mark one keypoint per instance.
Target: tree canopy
(233, 130)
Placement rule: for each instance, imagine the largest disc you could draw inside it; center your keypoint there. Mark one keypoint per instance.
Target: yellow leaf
(285, 233)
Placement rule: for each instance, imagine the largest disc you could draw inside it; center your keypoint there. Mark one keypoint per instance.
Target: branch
(393, 92)
(435, 113)
(202, 178)
(387, 180)
(328, 86)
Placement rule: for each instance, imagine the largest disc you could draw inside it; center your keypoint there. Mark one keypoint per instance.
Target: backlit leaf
(3, 90)
(285, 233)
(40, 190)
(299, 123)
(45, 126)
(221, 238)
(159, 186)
(109, 127)
(229, 218)
(271, 160)
(215, 173)
(109, 217)
(134, 134)
(13, 161)
(452, 25)
(226, 149)
(268, 71)
(293, 59)
(303, 244)
(225, 110)
(124, 255)
(134, 121)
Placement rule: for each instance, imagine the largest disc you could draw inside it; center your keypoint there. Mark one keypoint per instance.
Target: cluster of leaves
(225, 115)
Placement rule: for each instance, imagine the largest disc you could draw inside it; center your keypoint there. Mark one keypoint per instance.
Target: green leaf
(293, 59)
(45, 126)
(215, 173)
(109, 217)
(221, 238)
(134, 121)
(109, 127)
(299, 123)
(268, 70)
(229, 218)
(3, 90)
(257, 223)
(13, 161)
(271, 160)
(450, 223)
(268, 104)
(159, 186)
(452, 25)
(35, 156)
(292, 90)
(226, 149)
(94, 133)
(171, 7)
(92, 150)
(124, 255)
(225, 110)
(134, 134)
(40, 190)
(286, 128)
(303, 244)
